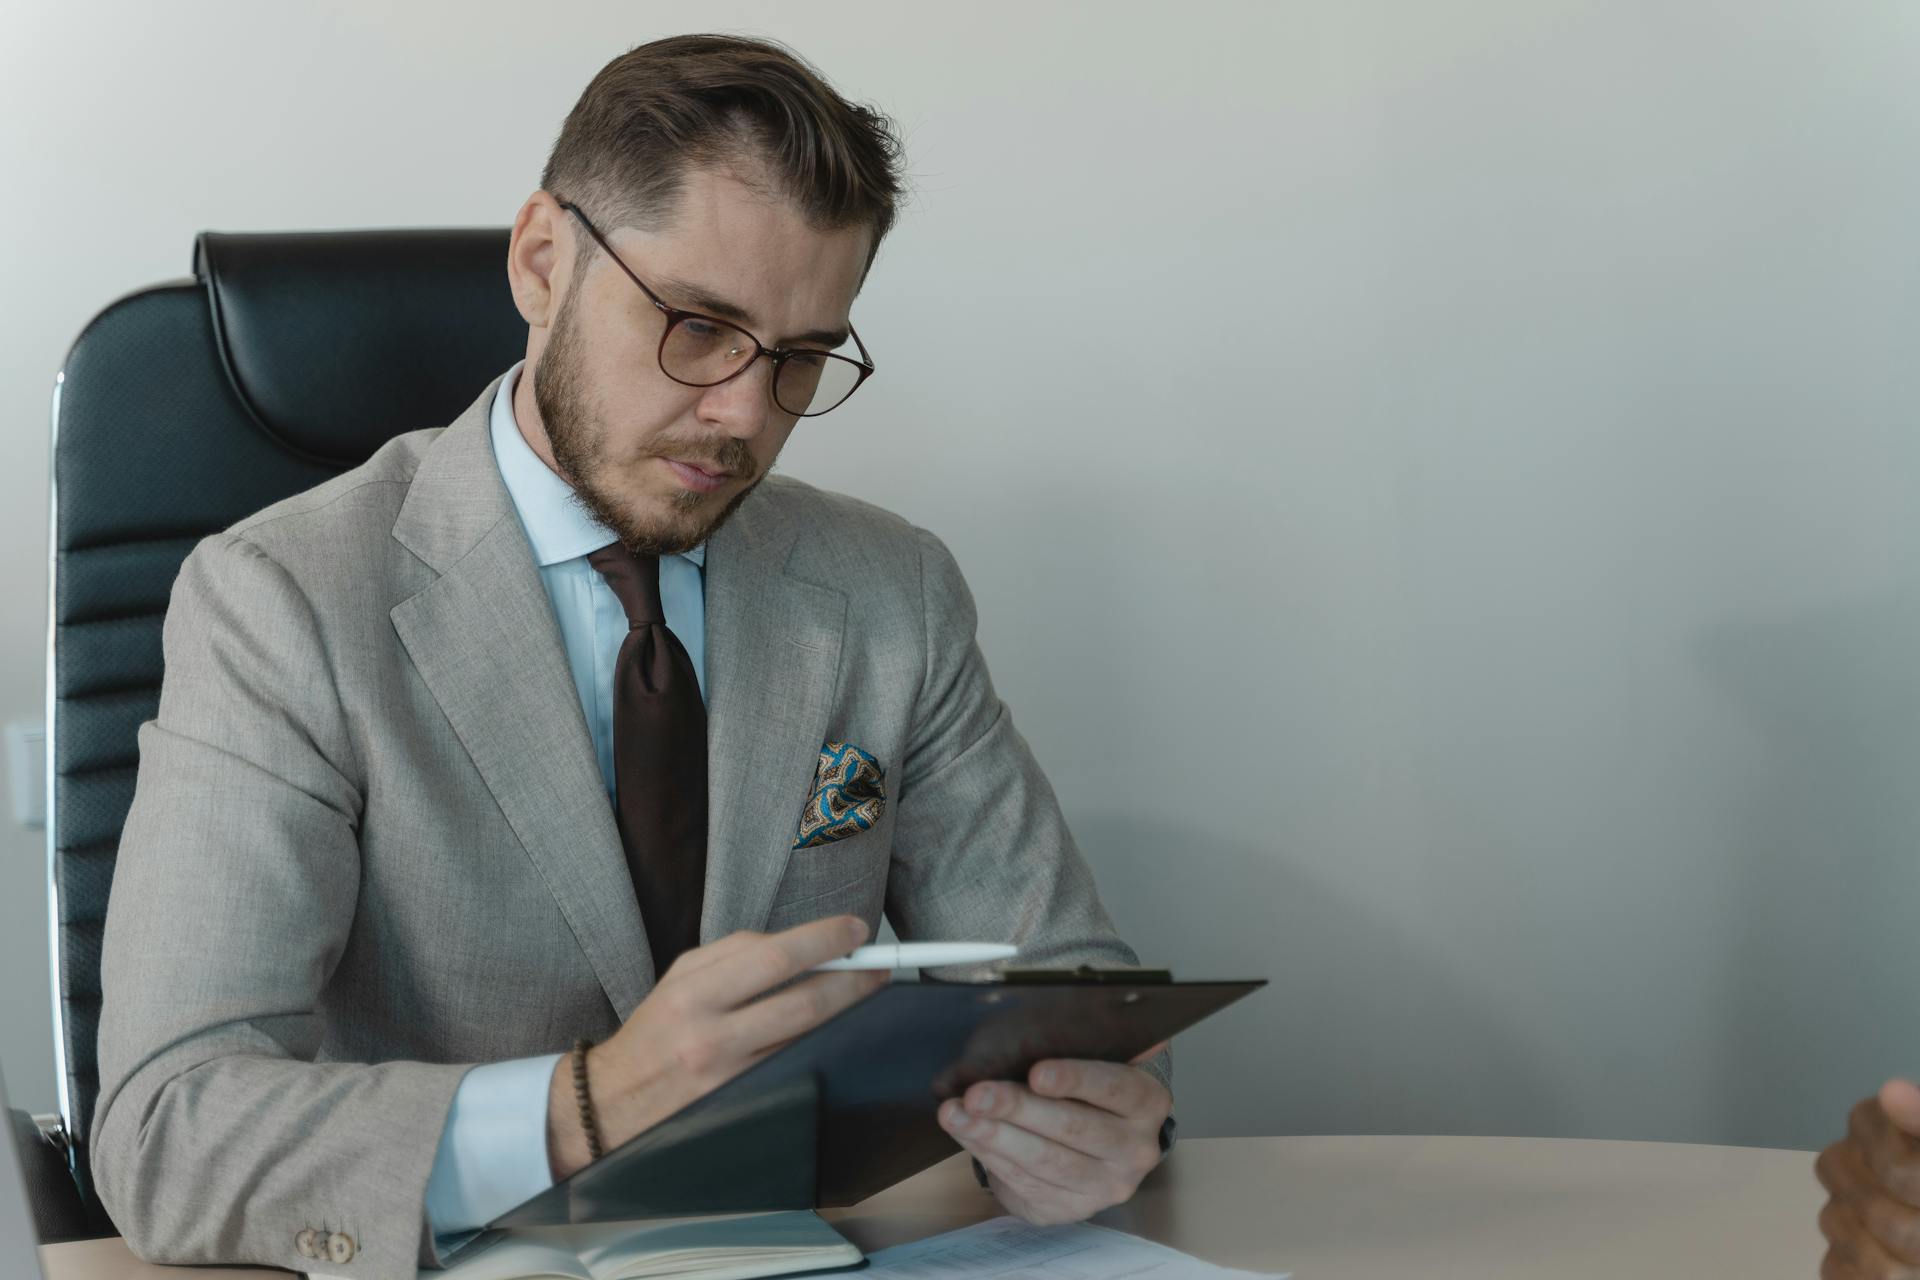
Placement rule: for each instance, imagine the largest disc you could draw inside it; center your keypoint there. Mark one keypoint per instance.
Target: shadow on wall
(1357, 1033)
(1826, 1001)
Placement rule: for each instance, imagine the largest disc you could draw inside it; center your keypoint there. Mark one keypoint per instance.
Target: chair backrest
(182, 408)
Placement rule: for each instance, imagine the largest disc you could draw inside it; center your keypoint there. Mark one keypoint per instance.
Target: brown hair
(751, 105)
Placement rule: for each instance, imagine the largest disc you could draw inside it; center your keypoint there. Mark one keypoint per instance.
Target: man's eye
(700, 328)
(808, 359)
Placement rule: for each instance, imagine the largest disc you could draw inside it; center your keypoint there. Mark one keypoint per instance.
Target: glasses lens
(702, 352)
(811, 383)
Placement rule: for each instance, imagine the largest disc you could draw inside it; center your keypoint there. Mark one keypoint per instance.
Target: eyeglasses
(699, 351)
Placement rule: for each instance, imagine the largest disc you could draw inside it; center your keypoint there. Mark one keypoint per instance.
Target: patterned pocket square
(849, 795)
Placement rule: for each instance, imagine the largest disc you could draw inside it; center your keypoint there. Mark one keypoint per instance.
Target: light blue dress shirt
(493, 1149)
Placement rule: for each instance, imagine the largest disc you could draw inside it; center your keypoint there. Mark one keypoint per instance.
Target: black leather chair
(182, 408)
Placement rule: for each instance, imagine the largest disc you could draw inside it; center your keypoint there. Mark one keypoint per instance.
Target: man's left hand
(1075, 1139)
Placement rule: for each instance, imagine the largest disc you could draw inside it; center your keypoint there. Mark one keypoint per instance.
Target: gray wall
(1439, 479)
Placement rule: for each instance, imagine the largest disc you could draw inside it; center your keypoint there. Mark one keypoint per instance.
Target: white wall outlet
(27, 771)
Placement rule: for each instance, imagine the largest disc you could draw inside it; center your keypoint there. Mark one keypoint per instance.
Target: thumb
(1900, 1099)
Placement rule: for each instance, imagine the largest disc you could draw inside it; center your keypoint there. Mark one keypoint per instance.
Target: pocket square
(849, 795)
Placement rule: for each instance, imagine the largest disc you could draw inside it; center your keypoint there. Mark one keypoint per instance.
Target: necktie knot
(635, 580)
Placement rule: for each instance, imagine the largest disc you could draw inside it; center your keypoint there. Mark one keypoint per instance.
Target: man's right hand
(707, 1020)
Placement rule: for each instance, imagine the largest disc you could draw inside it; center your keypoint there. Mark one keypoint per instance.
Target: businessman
(1872, 1176)
(504, 789)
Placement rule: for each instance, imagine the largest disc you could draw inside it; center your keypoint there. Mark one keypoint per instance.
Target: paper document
(1009, 1248)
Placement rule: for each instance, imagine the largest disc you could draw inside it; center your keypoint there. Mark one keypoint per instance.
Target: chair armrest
(58, 1212)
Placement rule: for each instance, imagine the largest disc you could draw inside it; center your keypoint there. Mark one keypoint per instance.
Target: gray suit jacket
(370, 846)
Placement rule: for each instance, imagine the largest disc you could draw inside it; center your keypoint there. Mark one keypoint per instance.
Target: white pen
(916, 955)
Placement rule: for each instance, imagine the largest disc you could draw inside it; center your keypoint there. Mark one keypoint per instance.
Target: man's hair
(751, 106)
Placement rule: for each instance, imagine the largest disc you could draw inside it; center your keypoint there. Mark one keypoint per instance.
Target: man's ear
(539, 259)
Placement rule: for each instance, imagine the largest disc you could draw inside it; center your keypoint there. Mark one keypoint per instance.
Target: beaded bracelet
(585, 1099)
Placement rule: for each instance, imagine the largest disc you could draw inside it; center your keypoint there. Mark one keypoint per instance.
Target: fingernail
(1048, 1077)
(983, 1100)
(856, 931)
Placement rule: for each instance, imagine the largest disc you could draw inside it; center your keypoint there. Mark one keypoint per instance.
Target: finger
(1062, 1167)
(1041, 1203)
(698, 958)
(1110, 1086)
(1087, 1129)
(1854, 1250)
(1141, 1057)
(1895, 1226)
(1843, 1171)
(771, 959)
(1893, 1156)
(1900, 1099)
(767, 1023)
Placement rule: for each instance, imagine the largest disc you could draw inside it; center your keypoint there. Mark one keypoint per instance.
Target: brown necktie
(659, 759)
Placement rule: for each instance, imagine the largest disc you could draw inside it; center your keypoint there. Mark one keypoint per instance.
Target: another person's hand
(1076, 1138)
(708, 1019)
(1872, 1221)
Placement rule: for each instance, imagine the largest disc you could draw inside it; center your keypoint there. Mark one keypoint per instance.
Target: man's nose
(742, 405)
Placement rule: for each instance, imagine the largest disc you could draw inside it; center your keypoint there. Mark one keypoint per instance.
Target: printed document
(1009, 1249)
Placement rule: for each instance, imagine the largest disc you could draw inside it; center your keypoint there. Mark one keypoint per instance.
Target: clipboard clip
(1086, 973)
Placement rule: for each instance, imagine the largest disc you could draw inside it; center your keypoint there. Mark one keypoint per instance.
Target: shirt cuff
(493, 1149)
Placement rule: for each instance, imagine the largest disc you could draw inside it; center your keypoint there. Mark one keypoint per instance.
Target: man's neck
(526, 417)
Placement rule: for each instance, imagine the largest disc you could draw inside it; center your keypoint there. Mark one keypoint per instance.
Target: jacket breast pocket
(843, 877)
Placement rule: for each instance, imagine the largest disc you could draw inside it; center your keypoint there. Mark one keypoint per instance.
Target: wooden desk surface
(1349, 1208)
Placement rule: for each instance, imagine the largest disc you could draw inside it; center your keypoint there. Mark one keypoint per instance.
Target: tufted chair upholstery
(182, 408)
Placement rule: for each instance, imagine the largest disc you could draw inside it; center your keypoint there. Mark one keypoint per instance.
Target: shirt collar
(558, 526)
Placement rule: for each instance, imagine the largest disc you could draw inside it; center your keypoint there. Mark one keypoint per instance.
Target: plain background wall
(1440, 481)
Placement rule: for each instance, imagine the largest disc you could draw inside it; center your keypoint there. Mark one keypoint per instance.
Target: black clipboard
(850, 1108)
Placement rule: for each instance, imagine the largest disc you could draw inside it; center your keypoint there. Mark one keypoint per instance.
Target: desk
(1372, 1209)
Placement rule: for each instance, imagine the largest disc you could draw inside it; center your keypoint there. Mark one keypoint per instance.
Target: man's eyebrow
(699, 299)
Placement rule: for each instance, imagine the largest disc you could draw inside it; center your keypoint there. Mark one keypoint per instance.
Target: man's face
(660, 463)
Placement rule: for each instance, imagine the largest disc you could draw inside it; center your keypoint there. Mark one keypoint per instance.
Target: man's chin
(678, 522)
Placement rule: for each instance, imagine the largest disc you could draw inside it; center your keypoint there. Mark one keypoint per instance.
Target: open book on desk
(725, 1247)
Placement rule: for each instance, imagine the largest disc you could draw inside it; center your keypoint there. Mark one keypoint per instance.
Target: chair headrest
(337, 341)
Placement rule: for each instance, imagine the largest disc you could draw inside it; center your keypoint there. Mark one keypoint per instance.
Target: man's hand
(1076, 1138)
(1872, 1221)
(707, 1020)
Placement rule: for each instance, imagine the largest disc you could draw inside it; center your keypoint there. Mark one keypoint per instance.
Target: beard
(579, 444)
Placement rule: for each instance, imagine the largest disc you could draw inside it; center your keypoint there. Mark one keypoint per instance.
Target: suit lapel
(484, 640)
(772, 663)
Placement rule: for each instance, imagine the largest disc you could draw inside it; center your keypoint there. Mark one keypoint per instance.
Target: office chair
(182, 408)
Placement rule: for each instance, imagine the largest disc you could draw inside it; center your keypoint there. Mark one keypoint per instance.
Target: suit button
(307, 1244)
(340, 1247)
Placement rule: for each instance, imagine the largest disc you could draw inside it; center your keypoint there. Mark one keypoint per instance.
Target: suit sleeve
(981, 849)
(217, 1137)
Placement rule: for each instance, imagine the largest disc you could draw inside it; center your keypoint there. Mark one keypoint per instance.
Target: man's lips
(701, 479)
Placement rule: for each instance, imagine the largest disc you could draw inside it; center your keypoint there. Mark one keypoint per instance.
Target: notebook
(721, 1247)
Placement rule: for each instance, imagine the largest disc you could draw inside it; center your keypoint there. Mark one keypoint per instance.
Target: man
(1872, 1220)
(567, 723)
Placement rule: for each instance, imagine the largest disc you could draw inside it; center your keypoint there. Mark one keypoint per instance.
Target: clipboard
(851, 1107)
